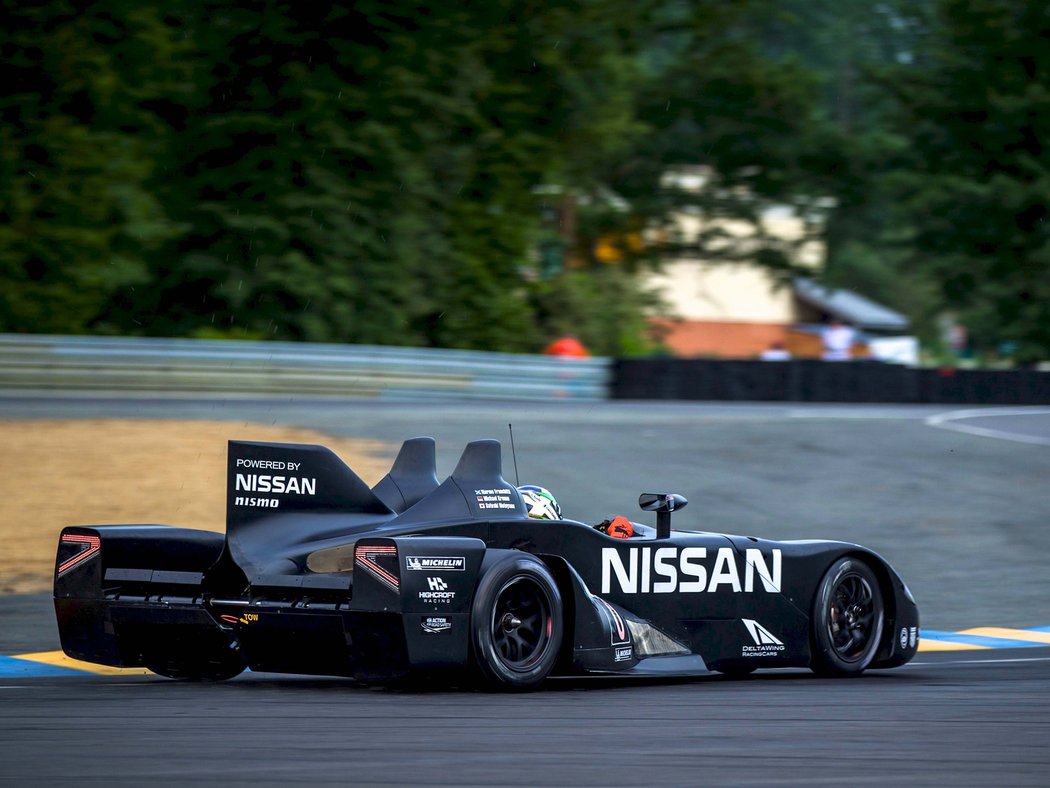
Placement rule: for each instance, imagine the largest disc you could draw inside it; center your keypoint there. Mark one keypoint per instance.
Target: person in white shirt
(838, 341)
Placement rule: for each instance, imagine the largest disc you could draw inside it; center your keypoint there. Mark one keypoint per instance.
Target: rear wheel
(196, 670)
(516, 623)
(208, 659)
(847, 619)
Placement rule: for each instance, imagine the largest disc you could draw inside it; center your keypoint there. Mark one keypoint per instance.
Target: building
(739, 309)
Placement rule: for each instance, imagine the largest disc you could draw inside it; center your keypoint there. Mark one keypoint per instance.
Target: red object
(620, 528)
(567, 346)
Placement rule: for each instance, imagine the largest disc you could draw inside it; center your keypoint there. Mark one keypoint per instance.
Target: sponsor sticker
(913, 637)
(766, 643)
(435, 625)
(690, 570)
(435, 563)
(904, 637)
(623, 654)
(262, 503)
(440, 597)
(269, 465)
(268, 483)
(438, 591)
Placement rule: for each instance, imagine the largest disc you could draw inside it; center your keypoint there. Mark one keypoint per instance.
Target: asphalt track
(961, 514)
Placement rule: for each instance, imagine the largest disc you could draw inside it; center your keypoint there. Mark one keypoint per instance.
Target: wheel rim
(521, 623)
(852, 617)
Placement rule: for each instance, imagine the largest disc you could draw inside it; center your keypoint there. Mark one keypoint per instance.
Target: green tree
(357, 174)
(373, 172)
(973, 184)
(711, 94)
(78, 218)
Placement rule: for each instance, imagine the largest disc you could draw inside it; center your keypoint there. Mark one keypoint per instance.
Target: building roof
(850, 307)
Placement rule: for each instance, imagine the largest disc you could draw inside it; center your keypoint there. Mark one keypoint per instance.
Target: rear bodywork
(320, 574)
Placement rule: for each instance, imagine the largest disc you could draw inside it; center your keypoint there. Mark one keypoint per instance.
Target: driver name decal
(685, 570)
(495, 498)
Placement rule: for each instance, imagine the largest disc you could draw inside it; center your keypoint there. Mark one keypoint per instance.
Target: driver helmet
(539, 502)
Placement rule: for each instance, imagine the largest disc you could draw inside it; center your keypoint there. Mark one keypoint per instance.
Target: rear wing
(269, 478)
(281, 497)
(106, 575)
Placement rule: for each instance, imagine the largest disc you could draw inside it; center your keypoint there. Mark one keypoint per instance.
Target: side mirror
(663, 504)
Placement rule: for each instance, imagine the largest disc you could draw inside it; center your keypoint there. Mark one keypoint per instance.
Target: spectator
(838, 341)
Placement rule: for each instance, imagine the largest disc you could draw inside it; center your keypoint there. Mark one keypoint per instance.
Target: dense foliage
(943, 210)
(382, 172)
(973, 187)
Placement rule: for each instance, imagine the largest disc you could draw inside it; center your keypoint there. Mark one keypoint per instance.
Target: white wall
(694, 290)
(699, 290)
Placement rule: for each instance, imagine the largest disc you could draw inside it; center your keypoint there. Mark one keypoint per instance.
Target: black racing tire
(516, 623)
(848, 619)
(737, 672)
(196, 671)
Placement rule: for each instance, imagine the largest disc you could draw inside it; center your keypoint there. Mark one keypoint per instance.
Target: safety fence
(819, 381)
(188, 365)
(243, 367)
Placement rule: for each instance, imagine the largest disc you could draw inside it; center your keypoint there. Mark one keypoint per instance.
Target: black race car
(319, 574)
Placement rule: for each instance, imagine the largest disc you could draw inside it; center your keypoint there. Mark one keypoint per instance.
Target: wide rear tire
(202, 659)
(516, 623)
(848, 618)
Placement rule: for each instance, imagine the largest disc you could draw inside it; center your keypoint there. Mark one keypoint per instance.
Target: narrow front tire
(848, 618)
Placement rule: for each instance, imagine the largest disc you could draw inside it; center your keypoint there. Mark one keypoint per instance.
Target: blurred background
(698, 179)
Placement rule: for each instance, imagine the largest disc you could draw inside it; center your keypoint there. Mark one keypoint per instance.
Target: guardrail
(190, 365)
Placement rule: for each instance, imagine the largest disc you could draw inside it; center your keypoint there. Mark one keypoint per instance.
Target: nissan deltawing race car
(320, 574)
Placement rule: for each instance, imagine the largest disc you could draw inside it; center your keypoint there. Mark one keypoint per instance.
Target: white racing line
(947, 421)
(998, 660)
(855, 412)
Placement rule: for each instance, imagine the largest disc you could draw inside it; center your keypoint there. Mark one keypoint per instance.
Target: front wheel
(737, 672)
(516, 623)
(847, 619)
